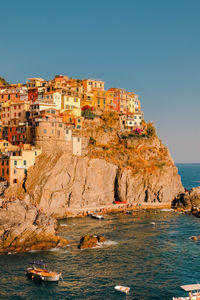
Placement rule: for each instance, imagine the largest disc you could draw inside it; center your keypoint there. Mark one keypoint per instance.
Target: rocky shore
(24, 227)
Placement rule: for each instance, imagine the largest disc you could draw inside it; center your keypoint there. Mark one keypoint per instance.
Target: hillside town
(39, 111)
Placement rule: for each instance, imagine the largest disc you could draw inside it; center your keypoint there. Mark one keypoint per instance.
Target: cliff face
(62, 184)
(116, 165)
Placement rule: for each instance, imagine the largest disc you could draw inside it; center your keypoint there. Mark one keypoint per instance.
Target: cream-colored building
(71, 103)
(14, 165)
(76, 145)
(92, 84)
(47, 130)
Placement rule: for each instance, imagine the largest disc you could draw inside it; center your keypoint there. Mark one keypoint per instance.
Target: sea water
(150, 252)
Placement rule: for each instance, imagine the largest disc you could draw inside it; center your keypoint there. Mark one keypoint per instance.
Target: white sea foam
(103, 244)
(166, 209)
(110, 243)
(106, 243)
(54, 249)
(64, 225)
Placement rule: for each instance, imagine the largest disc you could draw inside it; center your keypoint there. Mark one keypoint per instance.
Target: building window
(44, 131)
(59, 125)
(2, 162)
(7, 171)
(79, 120)
(78, 140)
(7, 162)
(15, 162)
(67, 131)
(8, 97)
(15, 180)
(58, 132)
(24, 162)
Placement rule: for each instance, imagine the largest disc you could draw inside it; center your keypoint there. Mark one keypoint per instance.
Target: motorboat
(97, 216)
(123, 289)
(38, 271)
(194, 292)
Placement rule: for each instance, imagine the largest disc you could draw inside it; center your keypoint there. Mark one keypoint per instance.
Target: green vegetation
(161, 165)
(3, 81)
(150, 131)
(88, 114)
(92, 141)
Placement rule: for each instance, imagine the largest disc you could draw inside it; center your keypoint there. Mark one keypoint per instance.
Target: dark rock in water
(189, 200)
(89, 241)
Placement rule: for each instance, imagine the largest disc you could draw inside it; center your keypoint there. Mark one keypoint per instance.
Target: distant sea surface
(150, 252)
(190, 174)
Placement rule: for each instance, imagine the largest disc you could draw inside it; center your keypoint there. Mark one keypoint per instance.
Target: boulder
(89, 241)
(189, 200)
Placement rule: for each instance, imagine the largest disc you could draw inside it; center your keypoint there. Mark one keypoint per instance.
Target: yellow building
(4, 145)
(35, 82)
(73, 103)
(87, 99)
(131, 102)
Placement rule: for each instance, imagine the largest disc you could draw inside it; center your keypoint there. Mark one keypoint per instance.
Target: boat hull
(122, 289)
(43, 275)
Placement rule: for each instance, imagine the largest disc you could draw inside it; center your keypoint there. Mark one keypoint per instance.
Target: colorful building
(92, 84)
(72, 103)
(13, 113)
(14, 165)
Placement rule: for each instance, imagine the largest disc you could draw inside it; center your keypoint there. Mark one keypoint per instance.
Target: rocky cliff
(133, 168)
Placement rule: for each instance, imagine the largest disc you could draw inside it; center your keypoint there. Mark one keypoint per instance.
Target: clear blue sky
(151, 47)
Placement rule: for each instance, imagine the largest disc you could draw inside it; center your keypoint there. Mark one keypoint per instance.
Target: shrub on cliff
(3, 81)
(92, 141)
(150, 131)
(87, 114)
(110, 119)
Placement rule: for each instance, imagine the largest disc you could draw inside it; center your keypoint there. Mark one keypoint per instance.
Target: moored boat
(97, 216)
(39, 273)
(194, 292)
(123, 289)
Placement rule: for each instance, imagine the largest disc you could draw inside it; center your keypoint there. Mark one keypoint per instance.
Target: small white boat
(194, 292)
(96, 216)
(123, 289)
